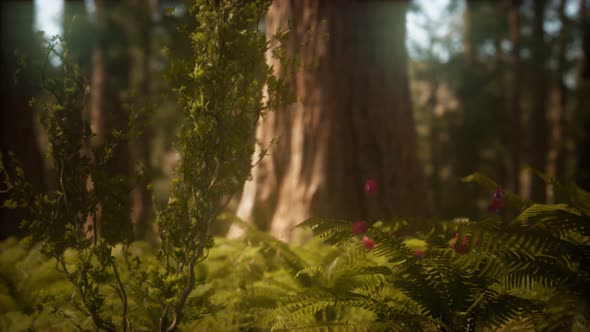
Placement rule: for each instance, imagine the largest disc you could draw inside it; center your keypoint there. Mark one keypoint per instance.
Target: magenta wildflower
(359, 227)
(461, 247)
(368, 243)
(419, 253)
(370, 186)
(496, 200)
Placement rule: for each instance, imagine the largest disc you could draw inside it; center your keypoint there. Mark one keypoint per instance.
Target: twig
(122, 295)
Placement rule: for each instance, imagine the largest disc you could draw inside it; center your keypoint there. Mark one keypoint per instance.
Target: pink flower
(419, 253)
(359, 227)
(368, 243)
(370, 186)
(496, 200)
(461, 247)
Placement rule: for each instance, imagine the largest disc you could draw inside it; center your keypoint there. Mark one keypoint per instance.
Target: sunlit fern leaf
(302, 308)
(369, 283)
(383, 270)
(536, 210)
(332, 230)
(279, 249)
(482, 265)
(390, 247)
(310, 271)
(490, 185)
(560, 216)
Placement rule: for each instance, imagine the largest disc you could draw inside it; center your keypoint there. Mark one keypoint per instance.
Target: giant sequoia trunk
(353, 121)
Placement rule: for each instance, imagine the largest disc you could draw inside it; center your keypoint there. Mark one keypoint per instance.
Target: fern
(333, 231)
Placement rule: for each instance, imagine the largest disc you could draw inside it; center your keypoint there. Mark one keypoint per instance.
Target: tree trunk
(17, 126)
(539, 133)
(515, 109)
(469, 50)
(354, 121)
(110, 83)
(583, 87)
(141, 198)
(471, 75)
(558, 106)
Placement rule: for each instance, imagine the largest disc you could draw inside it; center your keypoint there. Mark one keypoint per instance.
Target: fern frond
(525, 270)
(277, 249)
(510, 198)
(391, 247)
(332, 326)
(310, 271)
(561, 217)
(570, 193)
(332, 230)
(497, 309)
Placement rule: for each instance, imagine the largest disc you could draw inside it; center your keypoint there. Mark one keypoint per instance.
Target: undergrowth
(529, 273)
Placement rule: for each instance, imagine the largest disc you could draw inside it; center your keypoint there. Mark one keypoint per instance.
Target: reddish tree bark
(354, 121)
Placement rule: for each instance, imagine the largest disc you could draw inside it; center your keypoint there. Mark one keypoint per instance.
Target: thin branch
(122, 295)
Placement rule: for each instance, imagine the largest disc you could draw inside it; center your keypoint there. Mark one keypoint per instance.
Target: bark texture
(353, 122)
(539, 134)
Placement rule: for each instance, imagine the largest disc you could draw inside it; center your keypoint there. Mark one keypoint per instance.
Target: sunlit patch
(49, 19)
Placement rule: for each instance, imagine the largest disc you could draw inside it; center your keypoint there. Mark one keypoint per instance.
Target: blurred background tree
(491, 90)
(17, 126)
(494, 86)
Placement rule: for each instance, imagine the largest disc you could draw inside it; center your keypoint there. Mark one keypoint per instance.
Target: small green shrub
(85, 220)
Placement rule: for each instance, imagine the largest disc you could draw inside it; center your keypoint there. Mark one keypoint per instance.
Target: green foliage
(66, 221)
(529, 273)
(81, 224)
(220, 92)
